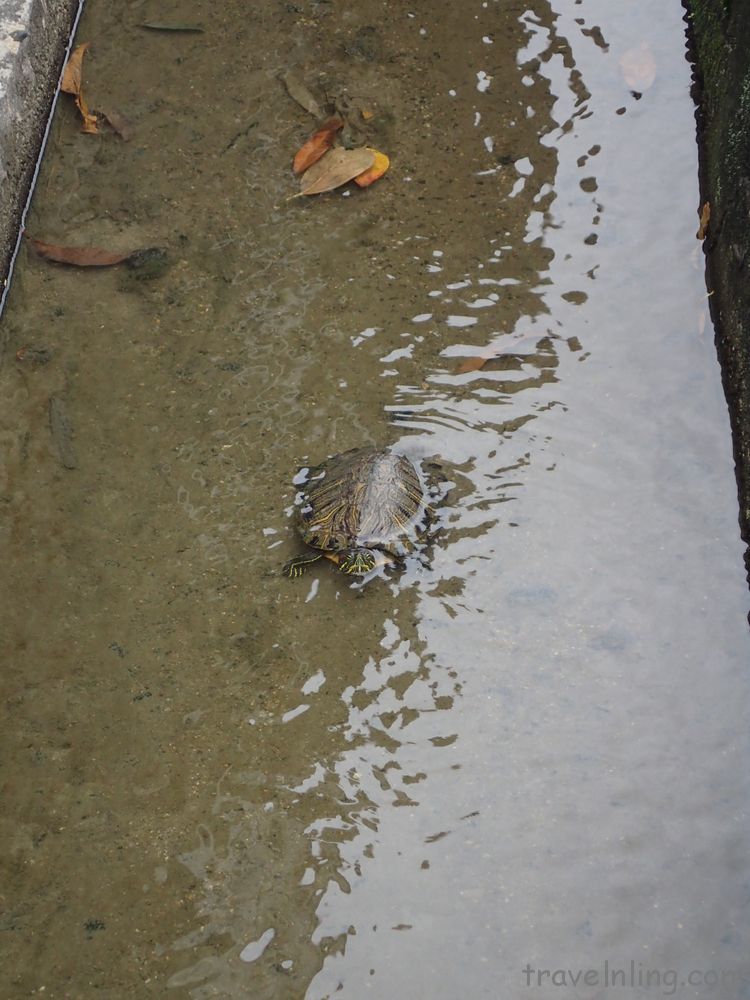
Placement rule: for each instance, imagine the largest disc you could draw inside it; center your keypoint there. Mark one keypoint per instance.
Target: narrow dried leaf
(190, 28)
(638, 67)
(704, 220)
(71, 80)
(72, 84)
(299, 93)
(376, 171)
(89, 120)
(78, 256)
(317, 145)
(334, 169)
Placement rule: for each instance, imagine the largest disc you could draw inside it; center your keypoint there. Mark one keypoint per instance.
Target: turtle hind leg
(297, 566)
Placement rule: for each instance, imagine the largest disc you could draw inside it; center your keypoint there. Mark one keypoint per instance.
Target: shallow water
(530, 751)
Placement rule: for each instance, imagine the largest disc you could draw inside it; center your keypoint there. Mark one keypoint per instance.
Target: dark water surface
(533, 751)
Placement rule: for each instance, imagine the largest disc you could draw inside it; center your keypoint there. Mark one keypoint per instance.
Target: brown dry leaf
(89, 120)
(367, 114)
(513, 351)
(71, 80)
(79, 256)
(71, 84)
(376, 171)
(704, 220)
(317, 145)
(473, 365)
(334, 169)
(638, 67)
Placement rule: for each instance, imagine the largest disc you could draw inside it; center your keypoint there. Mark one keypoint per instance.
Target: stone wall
(33, 37)
(719, 32)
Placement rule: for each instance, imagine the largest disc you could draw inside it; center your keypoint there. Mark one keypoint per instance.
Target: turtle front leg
(297, 566)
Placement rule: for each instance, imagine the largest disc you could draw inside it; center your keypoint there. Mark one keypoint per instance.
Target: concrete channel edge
(34, 38)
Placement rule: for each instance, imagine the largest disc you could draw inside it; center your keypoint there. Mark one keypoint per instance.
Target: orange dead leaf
(71, 80)
(317, 145)
(377, 170)
(334, 169)
(477, 364)
(472, 365)
(367, 114)
(72, 84)
(704, 219)
(78, 256)
(89, 121)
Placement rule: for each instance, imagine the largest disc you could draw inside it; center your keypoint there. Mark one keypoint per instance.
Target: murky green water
(531, 752)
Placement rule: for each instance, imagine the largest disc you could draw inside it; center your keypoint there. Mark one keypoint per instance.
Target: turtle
(361, 509)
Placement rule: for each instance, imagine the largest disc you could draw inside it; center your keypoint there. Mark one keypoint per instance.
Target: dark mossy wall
(720, 37)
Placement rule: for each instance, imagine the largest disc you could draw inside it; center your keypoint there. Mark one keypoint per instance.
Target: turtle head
(359, 561)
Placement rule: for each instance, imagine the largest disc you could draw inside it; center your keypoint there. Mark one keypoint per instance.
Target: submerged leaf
(79, 256)
(473, 365)
(119, 123)
(477, 364)
(317, 145)
(376, 171)
(61, 430)
(334, 169)
(193, 28)
(299, 93)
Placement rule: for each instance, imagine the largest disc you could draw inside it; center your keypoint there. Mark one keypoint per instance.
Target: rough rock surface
(33, 37)
(720, 35)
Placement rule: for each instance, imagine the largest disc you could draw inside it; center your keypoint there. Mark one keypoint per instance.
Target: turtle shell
(364, 498)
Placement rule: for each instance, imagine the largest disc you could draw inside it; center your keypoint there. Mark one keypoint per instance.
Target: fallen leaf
(71, 79)
(192, 28)
(89, 120)
(317, 145)
(334, 169)
(638, 67)
(377, 170)
(79, 256)
(299, 93)
(72, 84)
(118, 123)
(704, 219)
(478, 363)
(367, 114)
(472, 365)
